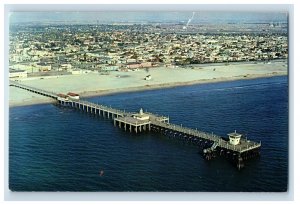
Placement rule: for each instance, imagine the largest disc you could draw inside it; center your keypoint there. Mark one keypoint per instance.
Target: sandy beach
(94, 84)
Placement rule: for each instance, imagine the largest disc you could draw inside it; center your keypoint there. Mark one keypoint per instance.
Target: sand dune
(93, 84)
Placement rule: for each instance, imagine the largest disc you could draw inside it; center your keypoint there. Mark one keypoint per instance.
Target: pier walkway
(94, 108)
(34, 90)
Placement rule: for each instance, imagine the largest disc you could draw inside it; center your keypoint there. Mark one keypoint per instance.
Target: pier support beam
(240, 162)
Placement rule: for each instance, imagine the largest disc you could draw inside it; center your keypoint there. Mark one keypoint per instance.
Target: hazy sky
(148, 16)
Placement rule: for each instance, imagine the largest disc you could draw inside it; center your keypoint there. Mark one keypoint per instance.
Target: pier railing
(103, 108)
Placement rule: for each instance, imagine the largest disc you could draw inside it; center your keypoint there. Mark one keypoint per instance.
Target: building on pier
(234, 138)
(68, 97)
(62, 97)
(140, 121)
(73, 96)
(141, 115)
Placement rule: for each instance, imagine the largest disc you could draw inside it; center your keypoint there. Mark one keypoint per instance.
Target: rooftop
(234, 134)
(16, 71)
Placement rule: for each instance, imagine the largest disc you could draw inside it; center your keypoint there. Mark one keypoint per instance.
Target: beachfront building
(43, 68)
(77, 71)
(110, 68)
(17, 73)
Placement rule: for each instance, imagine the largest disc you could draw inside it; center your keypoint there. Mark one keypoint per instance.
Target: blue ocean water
(58, 149)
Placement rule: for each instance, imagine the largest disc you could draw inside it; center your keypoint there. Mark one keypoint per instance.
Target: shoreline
(96, 93)
(171, 85)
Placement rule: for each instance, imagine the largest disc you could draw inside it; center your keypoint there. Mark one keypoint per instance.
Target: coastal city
(148, 101)
(76, 49)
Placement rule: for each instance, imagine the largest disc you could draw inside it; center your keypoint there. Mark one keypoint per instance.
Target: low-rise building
(17, 73)
(62, 97)
(73, 96)
(110, 68)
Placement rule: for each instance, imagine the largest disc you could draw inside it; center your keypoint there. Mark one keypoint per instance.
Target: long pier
(236, 149)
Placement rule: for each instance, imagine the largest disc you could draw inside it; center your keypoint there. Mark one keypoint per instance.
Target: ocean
(54, 148)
